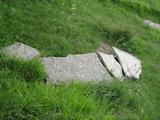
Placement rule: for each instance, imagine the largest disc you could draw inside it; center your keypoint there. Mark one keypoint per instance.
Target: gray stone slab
(152, 24)
(85, 68)
(20, 50)
(112, 65)
(130, 64)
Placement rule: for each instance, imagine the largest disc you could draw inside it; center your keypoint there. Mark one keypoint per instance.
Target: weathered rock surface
(152, 24)
(20, 50)
(86, 67)
(111, 64)
(130, 64)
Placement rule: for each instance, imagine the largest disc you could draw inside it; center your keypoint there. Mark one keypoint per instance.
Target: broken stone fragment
(86, 67)
(131, 65)
(111, 64)
(20, 50)
(152, 24)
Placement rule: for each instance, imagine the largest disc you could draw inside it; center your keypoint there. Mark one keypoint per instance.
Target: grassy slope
(61, 27)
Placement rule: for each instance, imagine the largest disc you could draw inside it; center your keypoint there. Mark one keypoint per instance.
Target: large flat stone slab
(130, 64)
(86, 67)
(111, 64)
(152, 24)
(20, 50)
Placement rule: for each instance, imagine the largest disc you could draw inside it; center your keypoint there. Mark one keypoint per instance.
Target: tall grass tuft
(29, 70)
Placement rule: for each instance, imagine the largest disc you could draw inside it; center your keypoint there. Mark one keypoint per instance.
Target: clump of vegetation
(118, 38)
(117, 95)
(29, 70)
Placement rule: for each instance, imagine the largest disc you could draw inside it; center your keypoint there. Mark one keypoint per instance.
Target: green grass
(146, 9)
(62, 27)
(28, 70)
(149, 4)
(39, 101)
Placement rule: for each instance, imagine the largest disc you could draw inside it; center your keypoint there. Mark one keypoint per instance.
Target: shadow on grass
(121, 38)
